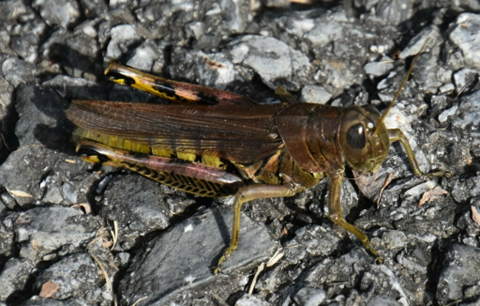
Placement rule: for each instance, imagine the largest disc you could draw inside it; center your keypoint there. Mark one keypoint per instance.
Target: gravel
(73, 233)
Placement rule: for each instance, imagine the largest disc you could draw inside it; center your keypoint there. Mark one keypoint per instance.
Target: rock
(379, 68)
(464, 36)
(458, 273)
(251, 300)
(308, 296)
(414, 46)
(122, 37)
(272, 59)
(315, 94)
(61, 12)
(464, 79)
(317, 240)
(187, 253)
(14, 277)
(138, 205)
(35, 175)
(46, 230)
(17, 71)
(383, 300)
(7, 235)
(76, 275)
(443, 117)
(394, 239)
(212, 69)
(394, 11)
(469, 112)
(146, 57)
(39, 301)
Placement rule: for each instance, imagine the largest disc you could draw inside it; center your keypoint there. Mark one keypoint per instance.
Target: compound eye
(356, 136)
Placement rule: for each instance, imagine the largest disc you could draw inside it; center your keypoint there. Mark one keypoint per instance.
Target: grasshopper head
(364, 138)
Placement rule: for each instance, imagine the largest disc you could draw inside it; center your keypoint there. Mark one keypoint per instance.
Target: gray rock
(394, 11)
(308, 296)
(26, 46)
(11, 10)
(14, 277)
(147, 57)
(46, 230)
(7, 235)
(209, 69)
(40, 301)
(74, 276)
(187, 253)
(379, 68)
(40, 111)
(394, 239)
(469, 112)
(315, 94)
(17, 71)
(35, 175)
(464, 79)
(326, 30)
(459, 272)
(415, 45)
(384, 301)
(317, 240)
(138, 205)
(251, 300)
(272, 59)
(464, 36)
(6, 97)
(61, 12)
(122, 37)
(443, 117)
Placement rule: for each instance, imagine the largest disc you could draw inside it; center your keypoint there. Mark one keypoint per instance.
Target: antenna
(384, 115)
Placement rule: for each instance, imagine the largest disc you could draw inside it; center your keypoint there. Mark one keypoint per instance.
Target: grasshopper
(215, 143)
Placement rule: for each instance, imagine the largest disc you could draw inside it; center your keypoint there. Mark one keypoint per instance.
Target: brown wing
(240, 134)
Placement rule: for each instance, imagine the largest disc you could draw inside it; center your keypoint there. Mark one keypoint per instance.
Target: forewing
(237, 133)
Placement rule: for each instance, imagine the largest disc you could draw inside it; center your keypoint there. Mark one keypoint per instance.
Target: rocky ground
(76, 234)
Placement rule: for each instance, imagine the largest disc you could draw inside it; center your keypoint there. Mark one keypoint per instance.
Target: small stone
(187, 254)
(145, 56)
(58, 12)
(272, 59)
(325, 31)
(318, 240)
(469, 111)
(446, 88)
(251, 300)
(415, 45)
(17, 71)
(14, 276)
(395, 11)
(464, 35)
(122, 37)
(309, 296)
(394, 239)
(443, 117)
(137, 204)
(315, 94)
(43, 230)
(384, 301)
(74, 276)
(460, 271)
(464, 79)
(34, 174)
(379, 68)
